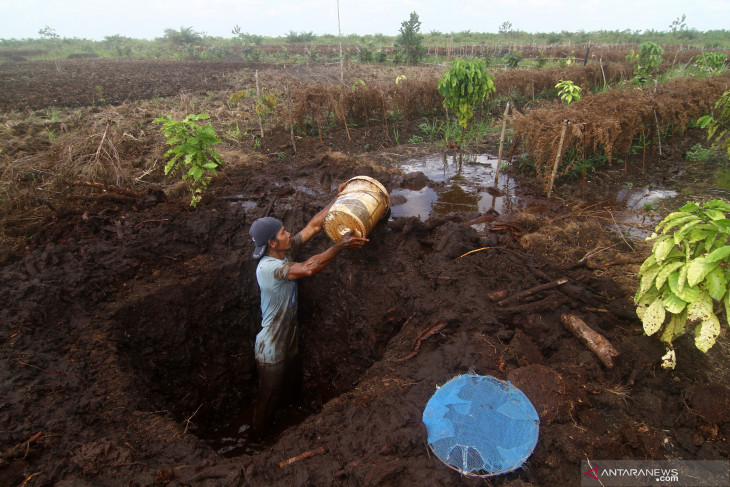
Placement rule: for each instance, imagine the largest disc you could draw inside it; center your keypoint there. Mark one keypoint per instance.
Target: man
(277, 272)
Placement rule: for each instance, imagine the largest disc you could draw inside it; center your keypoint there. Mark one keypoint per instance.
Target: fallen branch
(624, 260)
(473, 251)
(187, 421)
(596, 342)
(35, 367)
(302, 456)
(421, 337)
(620, 261)
(21, 449)
(108, 188)
(533, 290)
(25, 482)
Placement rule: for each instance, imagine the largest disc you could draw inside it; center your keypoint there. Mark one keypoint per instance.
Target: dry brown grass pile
(610, 122)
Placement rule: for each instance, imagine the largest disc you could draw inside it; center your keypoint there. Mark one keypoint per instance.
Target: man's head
(263, 230)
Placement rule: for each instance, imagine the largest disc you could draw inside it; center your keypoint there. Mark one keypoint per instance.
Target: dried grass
(610, 122)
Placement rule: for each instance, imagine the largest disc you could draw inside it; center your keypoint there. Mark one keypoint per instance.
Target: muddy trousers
(277, 383)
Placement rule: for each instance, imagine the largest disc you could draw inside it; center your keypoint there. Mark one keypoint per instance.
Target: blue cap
(263, 230)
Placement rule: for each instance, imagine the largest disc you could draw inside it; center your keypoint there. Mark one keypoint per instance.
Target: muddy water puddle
(636, 210)
(467, 186)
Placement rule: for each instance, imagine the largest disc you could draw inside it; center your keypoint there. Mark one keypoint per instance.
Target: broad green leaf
(674, 328)
(689, 207)
(711, 239)
(716, 283)
(664, 272)
(698, 269)
(700, 232)
(662, 248)
(703, 122)
(718, 254)
(718, 205)
(680, 221)
(650, 261)
(672, 216)
(706, 333)
(714, 214)
(653, 317)
(723, 223)
(701, 308)
(686, 293)
(673, 304)
(643, 302)
(682, 232)
(647, 280)
(726, 302)
(682, 279)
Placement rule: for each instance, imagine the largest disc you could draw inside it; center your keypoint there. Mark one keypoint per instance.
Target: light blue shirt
(279, 335)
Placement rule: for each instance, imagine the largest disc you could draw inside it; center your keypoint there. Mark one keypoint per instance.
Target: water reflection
(472, 187)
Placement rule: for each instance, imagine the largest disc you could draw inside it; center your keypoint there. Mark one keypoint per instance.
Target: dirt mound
(127, 319)
(128, 339)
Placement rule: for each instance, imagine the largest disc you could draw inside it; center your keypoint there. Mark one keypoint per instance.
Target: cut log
(596, 342)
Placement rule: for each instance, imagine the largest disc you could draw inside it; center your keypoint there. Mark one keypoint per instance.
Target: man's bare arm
(318, 262)
(315, 224)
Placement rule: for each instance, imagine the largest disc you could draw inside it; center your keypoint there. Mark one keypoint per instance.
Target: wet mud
(127, 335)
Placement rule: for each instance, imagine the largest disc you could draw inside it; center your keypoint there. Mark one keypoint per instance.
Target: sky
(148, 19)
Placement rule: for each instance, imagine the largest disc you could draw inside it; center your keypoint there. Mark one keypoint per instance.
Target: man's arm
(316, 263)
(315, 224)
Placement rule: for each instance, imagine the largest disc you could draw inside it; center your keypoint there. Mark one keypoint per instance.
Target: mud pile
(128, 337)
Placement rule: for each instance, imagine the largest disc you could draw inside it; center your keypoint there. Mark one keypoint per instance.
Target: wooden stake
(291, 121)
(643, 153)
(658, 133)
(558, 156)
(258, 99)
(501, 144)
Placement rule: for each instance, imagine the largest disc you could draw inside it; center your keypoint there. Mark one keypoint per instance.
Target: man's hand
(351, 241)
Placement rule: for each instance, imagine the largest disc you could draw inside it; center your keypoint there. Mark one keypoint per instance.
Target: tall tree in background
(410, 39)
(186, 36)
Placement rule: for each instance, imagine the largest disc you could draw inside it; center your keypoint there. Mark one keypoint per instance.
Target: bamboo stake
(339, 36)
(291, 122)
(501, 144)
(558, 156)
(258, 99)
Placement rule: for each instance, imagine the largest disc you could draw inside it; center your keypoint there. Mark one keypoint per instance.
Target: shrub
(686, 274)
(191, 149)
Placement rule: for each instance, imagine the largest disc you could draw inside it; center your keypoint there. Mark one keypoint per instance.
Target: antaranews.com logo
(649, 473)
